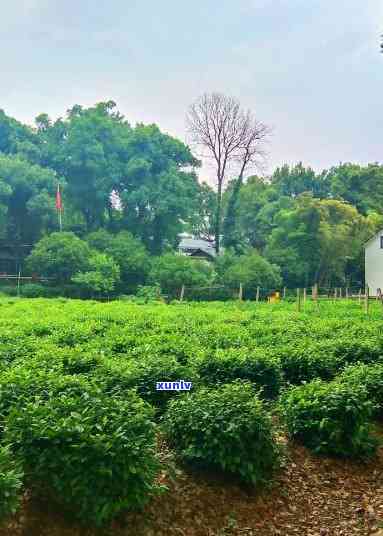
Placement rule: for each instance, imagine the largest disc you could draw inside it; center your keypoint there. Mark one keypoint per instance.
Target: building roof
(373, 237)
(194, 244)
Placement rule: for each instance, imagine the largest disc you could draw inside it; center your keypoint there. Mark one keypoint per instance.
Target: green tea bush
(11, 481)
(352, 350)
(329, 418)
(306, 362)
(18, 386)
(95, 453)
(23, 384)
(262, 370)
(117, 376)
(371, 378)
(227, 428)
(81, 362)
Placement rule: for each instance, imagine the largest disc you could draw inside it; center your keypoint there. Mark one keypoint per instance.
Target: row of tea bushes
(11, 482)
(94, 450)
(335, 417)
(77, 390)
(98, 452)
(95, 454)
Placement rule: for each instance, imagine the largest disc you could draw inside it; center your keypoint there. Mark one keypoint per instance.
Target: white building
(374, 263)
(194, 247)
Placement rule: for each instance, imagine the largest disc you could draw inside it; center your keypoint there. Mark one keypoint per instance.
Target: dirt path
(312, 496)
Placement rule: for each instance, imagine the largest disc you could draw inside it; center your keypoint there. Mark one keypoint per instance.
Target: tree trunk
(218, 217)
(231, 215)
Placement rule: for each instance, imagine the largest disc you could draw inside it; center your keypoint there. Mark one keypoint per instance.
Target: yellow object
(274, 297)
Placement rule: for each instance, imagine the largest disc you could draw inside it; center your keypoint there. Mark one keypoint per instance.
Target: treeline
(128, 193)
(312, 225)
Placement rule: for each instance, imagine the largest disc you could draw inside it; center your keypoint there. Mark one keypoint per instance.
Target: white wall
(374, 265)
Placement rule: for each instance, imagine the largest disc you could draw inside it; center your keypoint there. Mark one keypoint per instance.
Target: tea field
(279, 433)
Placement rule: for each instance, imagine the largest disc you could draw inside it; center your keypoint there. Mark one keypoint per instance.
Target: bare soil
(311, 496)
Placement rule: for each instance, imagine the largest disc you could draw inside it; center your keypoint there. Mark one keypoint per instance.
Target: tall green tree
(316, 241)
(27, 191)
(13, 134)
(88, 148)
(159, 189)
(201, 222)
(292, 181)
(362, 186)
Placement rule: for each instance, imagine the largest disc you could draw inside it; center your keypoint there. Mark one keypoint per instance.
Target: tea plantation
(81, 418)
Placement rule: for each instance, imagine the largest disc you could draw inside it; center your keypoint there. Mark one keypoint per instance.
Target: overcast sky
(309, 68)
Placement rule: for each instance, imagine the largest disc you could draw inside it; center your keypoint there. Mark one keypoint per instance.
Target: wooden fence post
(366, 300)
(18, 282)
(240, 293)
(380, 295)
(257, 296)
(346, 293)
(298, 299)
(182, 293)
(335, 293)
(314, 292)
(284, 293)
(304, 295)
(340, 292)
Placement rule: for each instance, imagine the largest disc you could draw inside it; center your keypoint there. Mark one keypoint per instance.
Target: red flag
(59, 204)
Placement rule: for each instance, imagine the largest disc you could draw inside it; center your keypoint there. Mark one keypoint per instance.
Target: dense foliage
(257, 367)
(225, 427)
(131, 191)
(95, 452)
(80, 412)
(370, 377)
(11, 481)
(330, 418)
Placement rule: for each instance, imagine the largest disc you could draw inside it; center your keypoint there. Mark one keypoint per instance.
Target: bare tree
(229, 135)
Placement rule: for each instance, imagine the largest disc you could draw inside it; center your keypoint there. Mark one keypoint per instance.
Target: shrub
(101, 278)
(11, 477)
(171, 271)
(127, 251)
(33, 290)
(225, 427)
(353, 350)
(261, 370)
(59, 255)
(148, 293)
(324, 359)
(143, 376)
(371, 378)
(95, 453)
(330, 418)
(307, 362)
(17, 386)
(252, 271)
(9, 290)
(80, 362)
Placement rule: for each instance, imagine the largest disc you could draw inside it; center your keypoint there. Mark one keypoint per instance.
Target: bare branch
(231, 136)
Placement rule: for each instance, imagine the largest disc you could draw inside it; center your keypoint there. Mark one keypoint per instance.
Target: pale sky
(311, 69)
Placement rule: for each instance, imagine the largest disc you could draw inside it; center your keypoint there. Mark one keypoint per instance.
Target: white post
(18, 282)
